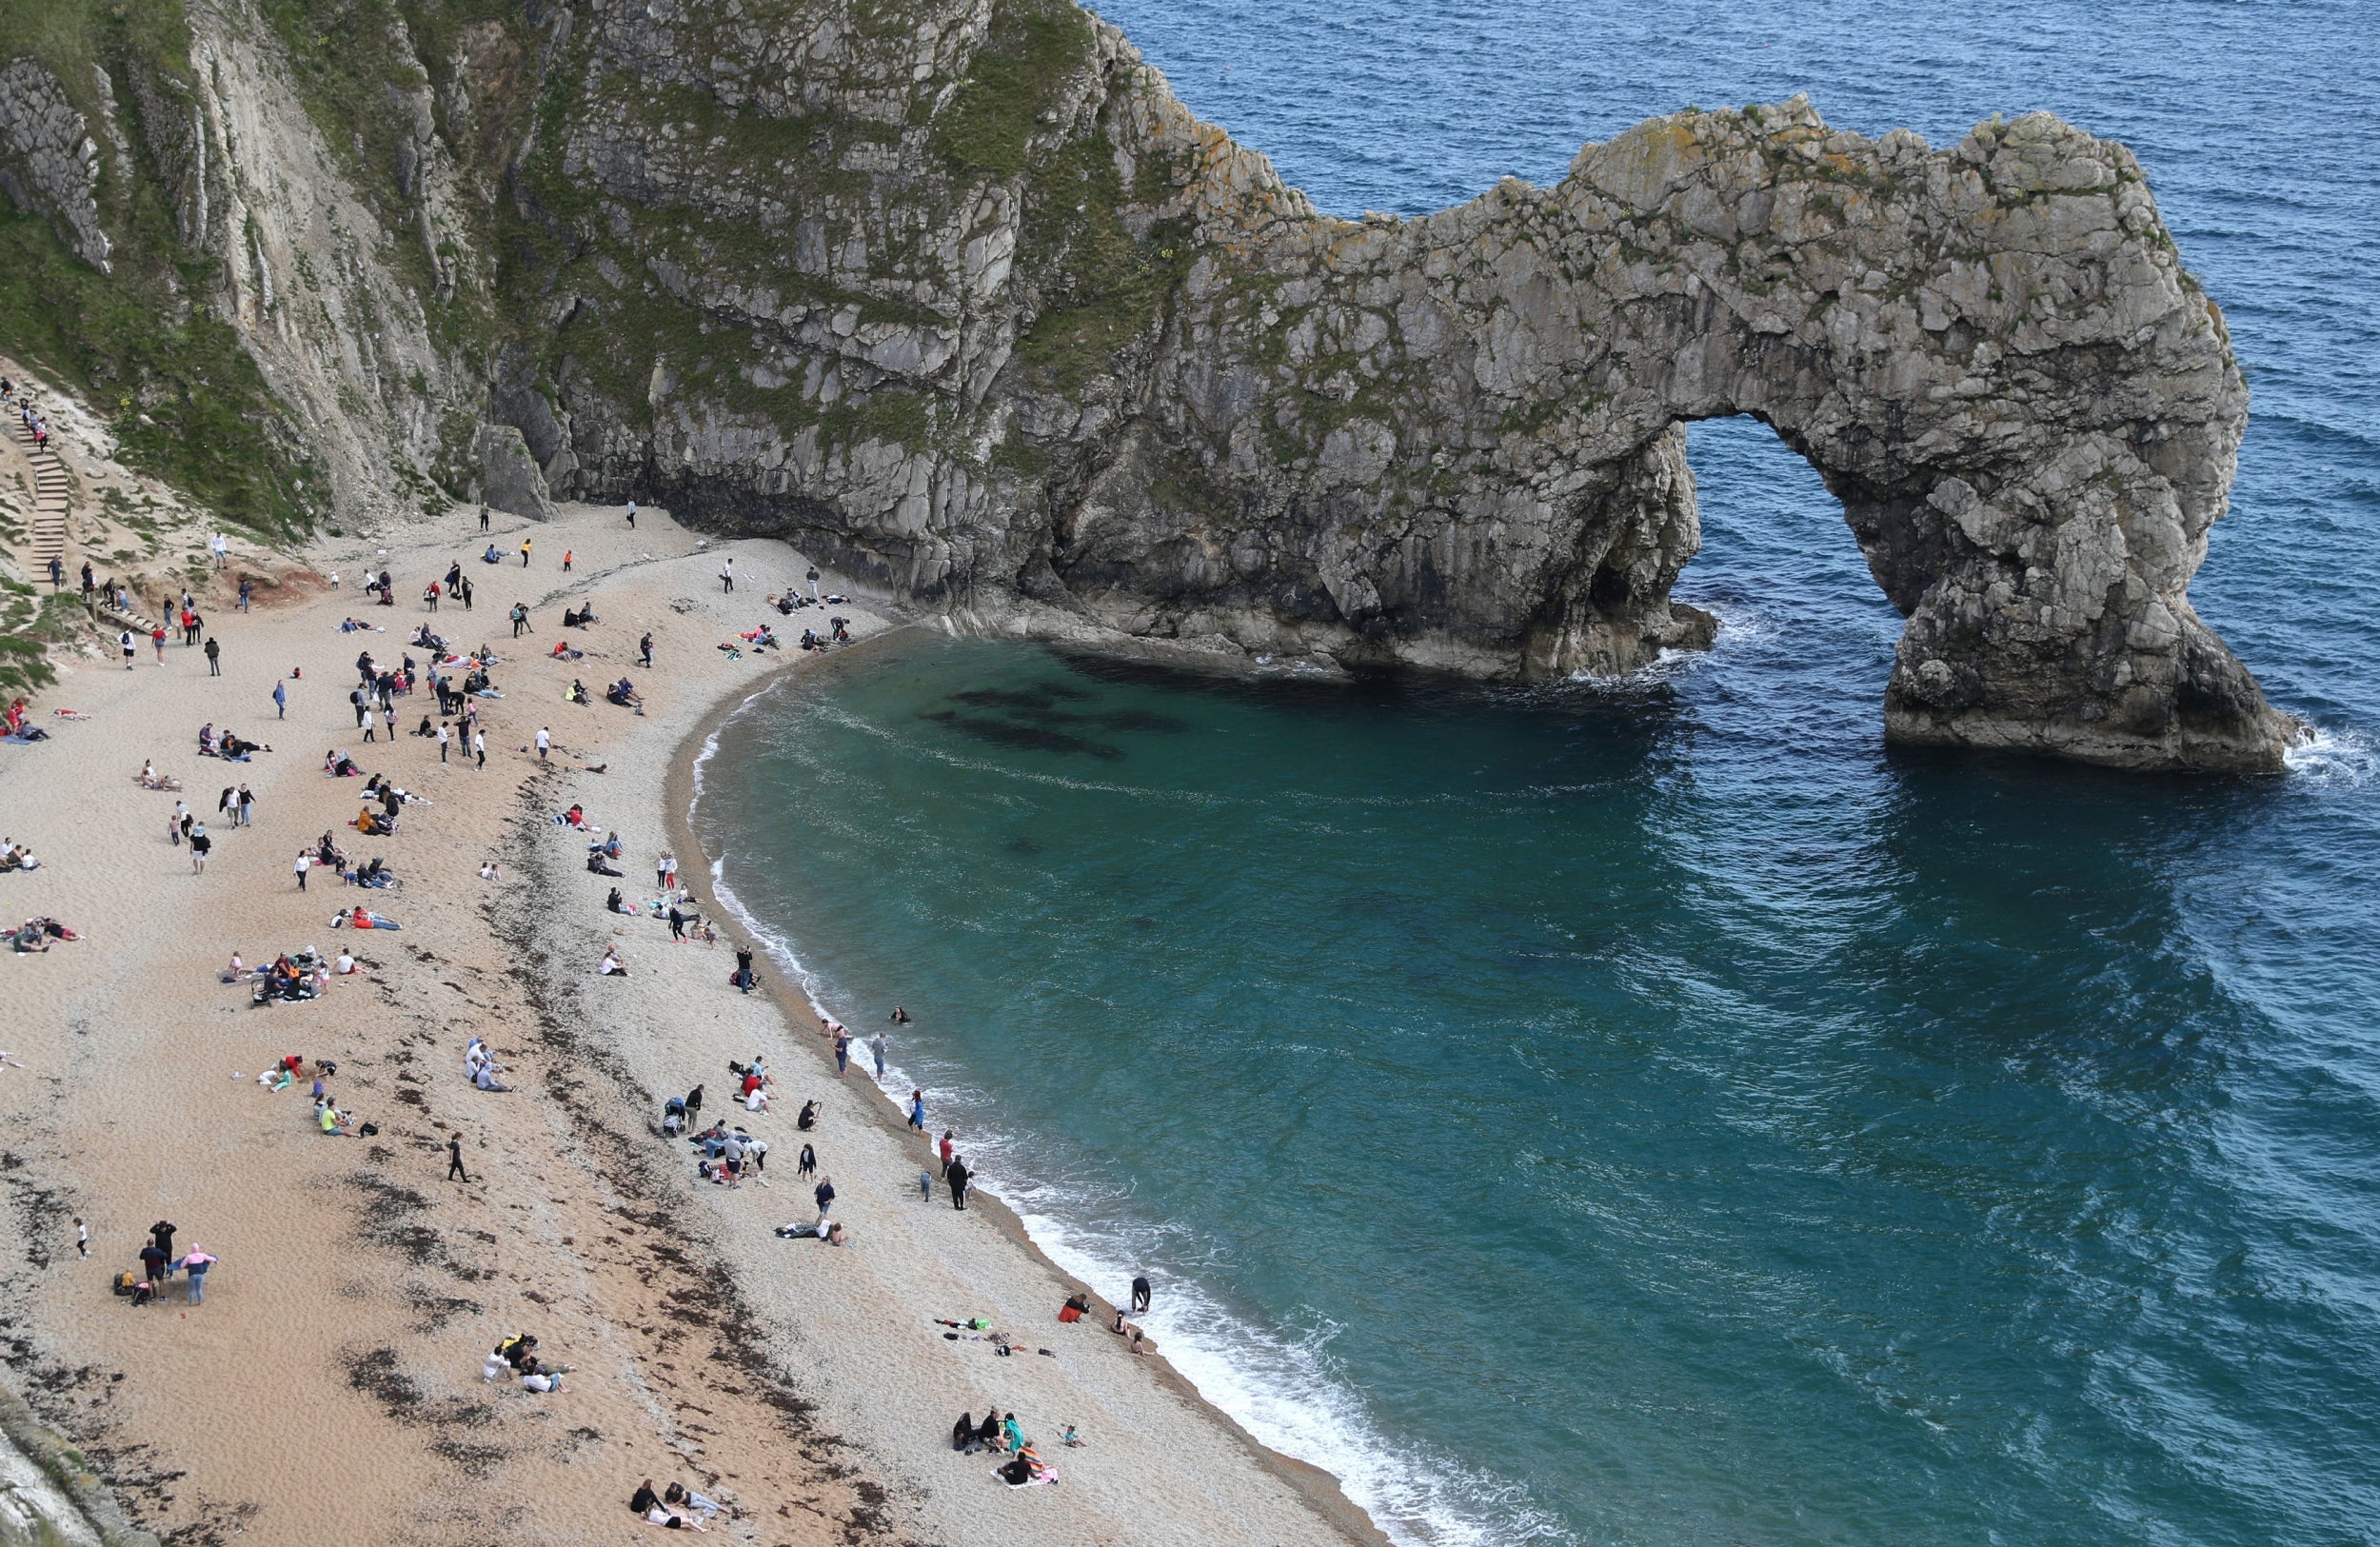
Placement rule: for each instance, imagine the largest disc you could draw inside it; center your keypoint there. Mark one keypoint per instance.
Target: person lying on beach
(596, 866)
(539, 1376)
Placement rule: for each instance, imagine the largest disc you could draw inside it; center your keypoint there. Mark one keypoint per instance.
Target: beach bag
(125, 1280)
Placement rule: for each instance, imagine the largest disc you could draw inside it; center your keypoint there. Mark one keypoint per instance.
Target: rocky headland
(960, 296)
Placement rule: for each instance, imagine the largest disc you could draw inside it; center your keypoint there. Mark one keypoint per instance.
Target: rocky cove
(963, 298)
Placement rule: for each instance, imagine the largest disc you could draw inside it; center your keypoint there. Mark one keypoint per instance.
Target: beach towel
(1047, 1476)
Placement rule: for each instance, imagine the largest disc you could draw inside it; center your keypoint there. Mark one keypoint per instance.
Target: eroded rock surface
(958, 295)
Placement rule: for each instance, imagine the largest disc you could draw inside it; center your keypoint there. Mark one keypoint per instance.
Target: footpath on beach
(509, 1207)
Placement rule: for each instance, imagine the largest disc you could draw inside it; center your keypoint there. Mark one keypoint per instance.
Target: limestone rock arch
(1457, 440)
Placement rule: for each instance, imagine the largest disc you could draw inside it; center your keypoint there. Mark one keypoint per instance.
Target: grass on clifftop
(186, 402)
(1013, 79)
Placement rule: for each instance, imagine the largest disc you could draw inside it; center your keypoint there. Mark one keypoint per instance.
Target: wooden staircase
(50, 490)
(52, 497)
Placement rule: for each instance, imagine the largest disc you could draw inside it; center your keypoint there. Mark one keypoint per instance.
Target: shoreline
(808, 1388)
(681, 793)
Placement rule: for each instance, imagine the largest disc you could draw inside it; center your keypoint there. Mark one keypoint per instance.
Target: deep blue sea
(1655, 1112)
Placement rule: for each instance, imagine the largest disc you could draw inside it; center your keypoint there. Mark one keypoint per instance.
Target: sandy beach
(330, 1384)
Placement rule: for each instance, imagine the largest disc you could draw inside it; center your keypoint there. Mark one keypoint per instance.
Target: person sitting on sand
(485, 1079)
(683, 1497)
(596, 866)
(962, 1435)
(331, 1120)
(614, 903)
(347, 967)
(489, 872)
(237, 970)
(1069, 1438)
(612, 967)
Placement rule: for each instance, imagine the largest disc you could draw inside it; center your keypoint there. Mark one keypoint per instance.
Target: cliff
(959, 295)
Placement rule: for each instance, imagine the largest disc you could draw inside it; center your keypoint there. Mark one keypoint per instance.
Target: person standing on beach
(727, 573)
(130, 648)
(246, 807)
(483, 518)
(843, 1051)
(644, 648)
(813, 580)
(200, 844)
(305, 863)
(631, 515)
(949, 1138)
(524, 552)
(246, 593)
(545, 742)
(214, 657)
(1140, 1293)
(454, 1160)
(825, 1193)
(81, 1237)
(443, 739)
(917, 1111)
(956, 1172)
(479, 746)
(281, 701)
(743, 967)
(876, 1045)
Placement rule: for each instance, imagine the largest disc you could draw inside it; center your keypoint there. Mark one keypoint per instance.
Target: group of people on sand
(676, 1507)
(518, 1355)
(481, 1068)
(158, 1265)
(16, 856)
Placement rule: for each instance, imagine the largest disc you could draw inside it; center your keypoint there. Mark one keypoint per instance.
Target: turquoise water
(1655, 1112)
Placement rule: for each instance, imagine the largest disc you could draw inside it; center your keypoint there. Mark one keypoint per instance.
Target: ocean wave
(1281, 1385)
(2344, 758)
(1284, 1387)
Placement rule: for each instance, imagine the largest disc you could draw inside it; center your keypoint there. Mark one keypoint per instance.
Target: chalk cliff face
(960, 296)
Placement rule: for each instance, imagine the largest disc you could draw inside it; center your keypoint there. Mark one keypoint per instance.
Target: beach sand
(330, 1384)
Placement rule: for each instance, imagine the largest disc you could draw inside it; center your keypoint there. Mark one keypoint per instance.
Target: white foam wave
(1740, 627)
(2344, 757)
(1282, 1386)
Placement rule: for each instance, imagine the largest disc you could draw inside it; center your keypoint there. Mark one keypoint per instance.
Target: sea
(1657, 1111)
